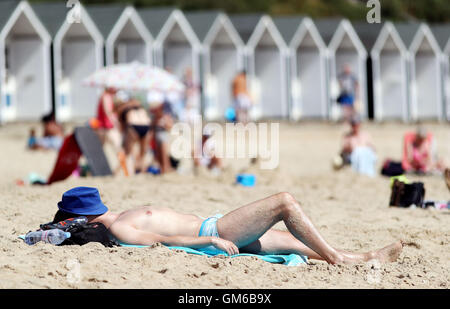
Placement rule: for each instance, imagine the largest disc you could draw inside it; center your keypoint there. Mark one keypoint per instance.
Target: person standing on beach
(107, 122)
(241, 96)
(349, 91)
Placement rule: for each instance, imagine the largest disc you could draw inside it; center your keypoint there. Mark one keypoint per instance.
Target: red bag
(67, 161)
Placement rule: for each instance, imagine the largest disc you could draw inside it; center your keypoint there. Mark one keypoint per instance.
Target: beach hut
(308, 61)
(25, 63)
(442, 35)
(176, 47)
(222, 58)
(126, 37)
(77, 53)
(344, 48)
(426, 96)
(387, 70)
(267, 56)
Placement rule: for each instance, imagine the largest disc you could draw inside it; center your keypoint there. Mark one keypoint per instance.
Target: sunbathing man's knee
(287, 201)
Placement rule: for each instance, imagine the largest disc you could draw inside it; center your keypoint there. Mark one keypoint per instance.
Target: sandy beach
(350, 211)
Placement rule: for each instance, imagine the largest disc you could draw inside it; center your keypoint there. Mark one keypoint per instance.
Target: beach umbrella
(135, 77)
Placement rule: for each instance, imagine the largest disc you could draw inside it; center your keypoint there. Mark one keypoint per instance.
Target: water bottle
(54, 237)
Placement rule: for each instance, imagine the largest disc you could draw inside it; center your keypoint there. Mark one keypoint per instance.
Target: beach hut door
(26, 66)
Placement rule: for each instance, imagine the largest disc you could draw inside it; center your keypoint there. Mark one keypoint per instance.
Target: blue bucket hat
(82, 201)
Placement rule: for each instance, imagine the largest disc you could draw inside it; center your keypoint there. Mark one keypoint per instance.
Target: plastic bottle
(54, 237)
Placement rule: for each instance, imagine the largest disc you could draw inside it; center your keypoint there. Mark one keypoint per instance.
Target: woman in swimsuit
(135, 125)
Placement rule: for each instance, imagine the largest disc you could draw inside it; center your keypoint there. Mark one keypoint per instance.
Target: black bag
(90, 232)
(406, 195)
(391, 169)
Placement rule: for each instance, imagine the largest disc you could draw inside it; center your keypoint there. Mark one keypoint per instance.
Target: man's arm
(133, 236)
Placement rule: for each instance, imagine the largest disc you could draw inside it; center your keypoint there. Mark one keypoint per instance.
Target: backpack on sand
(82, 233)
(406, 195)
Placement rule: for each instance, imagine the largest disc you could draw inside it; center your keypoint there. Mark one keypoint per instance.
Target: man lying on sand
(247, 229)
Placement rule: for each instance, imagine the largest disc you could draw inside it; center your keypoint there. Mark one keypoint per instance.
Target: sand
(350, 211)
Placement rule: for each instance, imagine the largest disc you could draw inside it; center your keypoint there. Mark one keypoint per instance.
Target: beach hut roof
(387, 30)
(51, 14)
(442, 35)
(7, 7)
(288, 26)
(10, 13)
(407, 31)
(155, 18)
(327, 28)
(368, 33)
(105, 16)
(202, 21)
(245, 24)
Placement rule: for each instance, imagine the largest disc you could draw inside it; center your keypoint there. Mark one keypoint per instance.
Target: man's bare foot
(447, 177)
(389, 254)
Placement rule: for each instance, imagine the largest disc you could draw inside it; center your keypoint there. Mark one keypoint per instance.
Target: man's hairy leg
(248, 224)
(249, 227)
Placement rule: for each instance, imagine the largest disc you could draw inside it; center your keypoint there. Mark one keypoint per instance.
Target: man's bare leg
(249, 227)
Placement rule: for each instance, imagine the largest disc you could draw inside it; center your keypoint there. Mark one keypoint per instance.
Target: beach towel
(288, 260)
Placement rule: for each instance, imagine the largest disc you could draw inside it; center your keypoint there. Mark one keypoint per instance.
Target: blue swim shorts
(209, 229)
(346, 99)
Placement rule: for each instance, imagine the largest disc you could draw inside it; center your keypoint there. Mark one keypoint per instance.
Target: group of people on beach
(123, 121)
(357, 148)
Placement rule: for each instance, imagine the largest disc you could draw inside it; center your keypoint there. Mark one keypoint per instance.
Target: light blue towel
(288, 260)
(363, 161)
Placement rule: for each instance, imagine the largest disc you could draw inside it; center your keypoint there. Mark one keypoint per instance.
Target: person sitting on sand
(358, 149)
(53, 136)
(204, 154)
(419, 155)
(247, 229)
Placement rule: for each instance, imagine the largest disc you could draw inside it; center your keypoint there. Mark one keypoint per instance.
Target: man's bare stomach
(162, 221)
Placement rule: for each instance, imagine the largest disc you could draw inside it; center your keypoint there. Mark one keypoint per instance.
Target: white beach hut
(222, 58)
(25, 63)
(77, 53)
(390, 75)
(426, 96)
(442, 34)
(176, 47)
(267, 62)
(126, 37)
(308, 67)
(344, 48)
